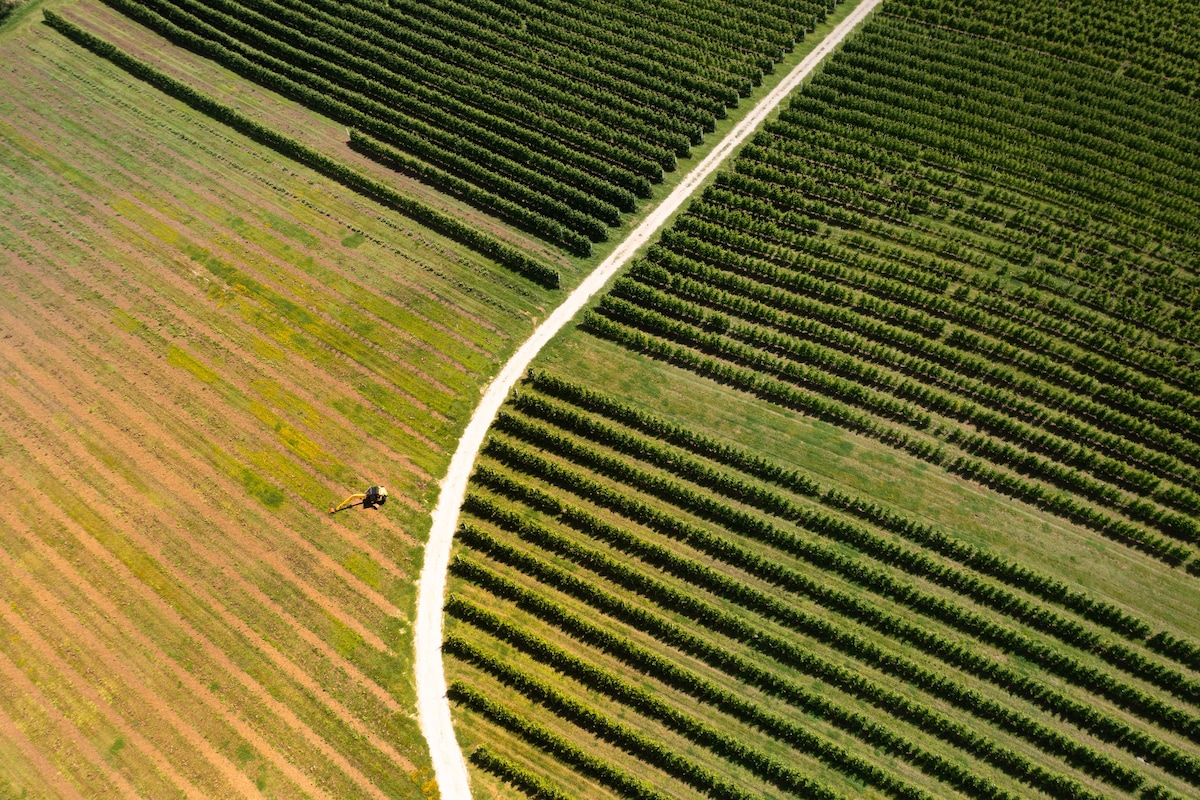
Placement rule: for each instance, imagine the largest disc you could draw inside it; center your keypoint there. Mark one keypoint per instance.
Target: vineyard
(554, 117)
(877, 475)
(958, 280)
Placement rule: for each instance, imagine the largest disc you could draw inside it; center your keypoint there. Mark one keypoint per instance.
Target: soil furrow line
(85, 687)
(294, 672)
(75, 453)
(51, 777)
(214, 133)
(81, 634)
(197, 177)
(179, 488)
(119, 301)
(265, 554)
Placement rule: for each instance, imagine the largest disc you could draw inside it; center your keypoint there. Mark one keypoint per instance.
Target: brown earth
(201, 349)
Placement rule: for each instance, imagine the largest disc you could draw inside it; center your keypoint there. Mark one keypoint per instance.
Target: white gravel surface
(433, 708)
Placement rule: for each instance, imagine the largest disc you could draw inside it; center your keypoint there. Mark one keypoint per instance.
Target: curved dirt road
(433, 709)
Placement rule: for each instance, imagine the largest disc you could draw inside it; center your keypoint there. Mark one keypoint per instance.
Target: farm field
(206, 342)
(204, 346)
(555, 117)
(876, 476)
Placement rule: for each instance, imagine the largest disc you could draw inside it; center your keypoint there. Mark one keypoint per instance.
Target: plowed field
(203, 347)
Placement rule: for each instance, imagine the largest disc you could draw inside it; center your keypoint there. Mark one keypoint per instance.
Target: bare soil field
(202, 348)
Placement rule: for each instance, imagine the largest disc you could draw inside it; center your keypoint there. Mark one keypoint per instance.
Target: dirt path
(433, 709)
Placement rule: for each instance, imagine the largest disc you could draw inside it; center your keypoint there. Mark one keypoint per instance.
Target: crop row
(983, 310)
(732, 30)
(999, 240)
(671, 674)
(804, 120)
(938, 170)
(314, 36)
(493, 194)
(913, 562)
(613, 80)
(482, 45)
(994, 112)
(779, 312)
(923, 125)
(649, 705)
(754, 291)
(670, 307)
(532, 784)
(460, 89)
(347, 106)
(557, 746)
(788, 395)
(458, 231)
(1096, 40)
(1048, 588)
(937, 195)
(798, 201)
(518, 80)
(710, 340)
(1157, 116)
(840, 391)
(990, 240)
(1104, 727)
(869, 578)
(639, 745)
(551, 28)
(349, 101)
(825, 142)
(750, 671)
(1160, 152)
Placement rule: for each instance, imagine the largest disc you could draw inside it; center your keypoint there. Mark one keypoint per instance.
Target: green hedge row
(625, 737)
(998, 386)
(554, 222)
(652, 705)
(531, 784)
(784, 349)
(1084, 715)
(549, 742)
(1050, 589)
(751, 672)
(409, 87)
(784, 394)
(466, 50)
(912, 562)
(712, 341)
(351, 104)
(464, 234)
(565, 68)
(1051, 659)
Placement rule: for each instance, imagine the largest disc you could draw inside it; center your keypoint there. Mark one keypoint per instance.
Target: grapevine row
(639, 745)
(912, 562)
(751, 671)
(869, 578)
(464, 234)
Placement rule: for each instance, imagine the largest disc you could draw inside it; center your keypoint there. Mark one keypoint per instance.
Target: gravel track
(433, 709)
